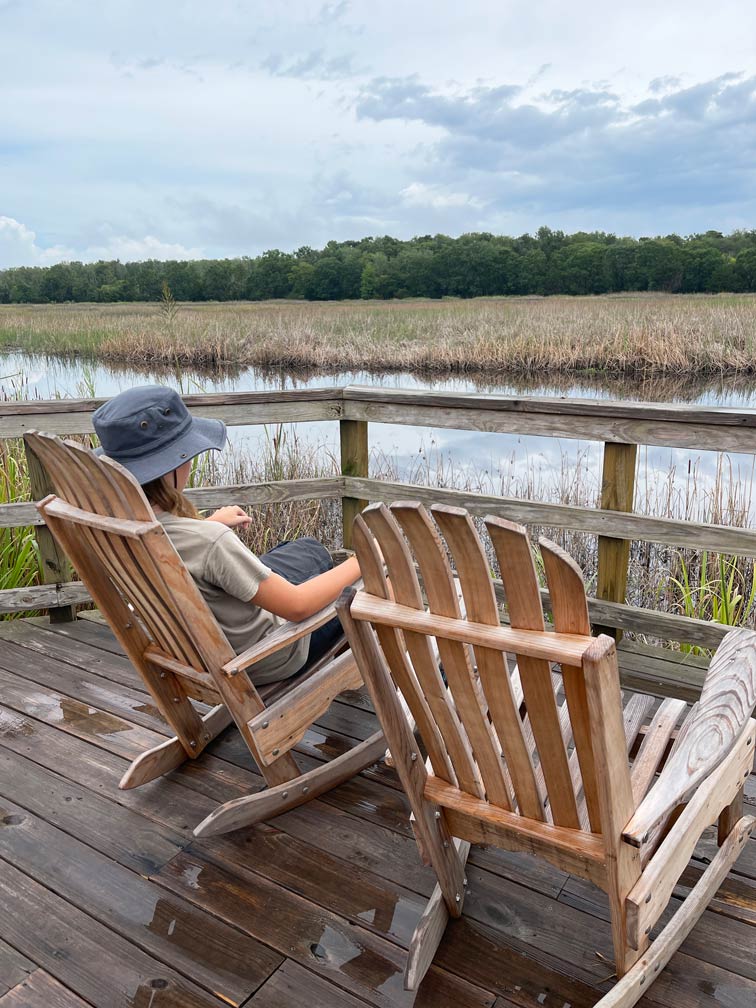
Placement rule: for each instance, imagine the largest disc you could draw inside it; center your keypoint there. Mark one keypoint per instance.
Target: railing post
(54, 565)
(617, 491)
(354, 462)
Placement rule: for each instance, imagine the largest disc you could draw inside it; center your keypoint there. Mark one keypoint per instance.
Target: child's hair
(160, 493)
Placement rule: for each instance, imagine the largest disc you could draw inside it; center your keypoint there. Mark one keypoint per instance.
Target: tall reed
(641, 335)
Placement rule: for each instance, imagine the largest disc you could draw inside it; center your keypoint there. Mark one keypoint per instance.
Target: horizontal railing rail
(620, 425)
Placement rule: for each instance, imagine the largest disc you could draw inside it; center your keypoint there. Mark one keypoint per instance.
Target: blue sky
(188, 129)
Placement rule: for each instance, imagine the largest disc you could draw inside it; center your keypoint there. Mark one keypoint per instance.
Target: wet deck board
(113, 904)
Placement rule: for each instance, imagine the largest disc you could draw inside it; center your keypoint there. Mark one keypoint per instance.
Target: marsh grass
(19, 555)
(642, 336)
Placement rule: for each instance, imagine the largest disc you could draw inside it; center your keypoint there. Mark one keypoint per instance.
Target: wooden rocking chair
(548, 778)
(135, 576)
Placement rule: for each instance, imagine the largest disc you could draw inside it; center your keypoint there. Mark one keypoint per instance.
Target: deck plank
(292, 984)
(124, 836)
(207, 951)
(338, 950)
(14, 967)
(40, 990)
(87, 957)
(316, 907)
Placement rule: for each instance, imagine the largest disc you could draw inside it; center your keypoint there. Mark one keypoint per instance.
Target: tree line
(473, 265)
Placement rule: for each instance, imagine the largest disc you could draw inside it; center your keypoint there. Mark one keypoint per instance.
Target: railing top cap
(683, 413)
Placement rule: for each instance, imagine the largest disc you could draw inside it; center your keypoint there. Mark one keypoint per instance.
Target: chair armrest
(282, 637)
(707, 735)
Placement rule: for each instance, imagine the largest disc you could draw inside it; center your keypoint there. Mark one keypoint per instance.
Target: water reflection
(671, 482)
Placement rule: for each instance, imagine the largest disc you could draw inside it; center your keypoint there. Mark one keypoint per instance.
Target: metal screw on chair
(177, 699)
(305, 789)
(413, 756)
(437, 814)
(276, 752)
(265, 724)
(464, 881)
(193, 744)
(648, 898)
(446, 843)
(162, 675)
(458, 898)
(285, 794)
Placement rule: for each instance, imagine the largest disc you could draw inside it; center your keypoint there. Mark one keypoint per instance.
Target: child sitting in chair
(151, 433)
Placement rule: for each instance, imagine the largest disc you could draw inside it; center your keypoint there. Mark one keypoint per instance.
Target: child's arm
(232, 515)
(297, 602)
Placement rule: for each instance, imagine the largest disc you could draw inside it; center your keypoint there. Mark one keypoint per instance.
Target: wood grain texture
(448, 735)
(634, 423)
(40, 990)
(464, 692)
(636, 981)
(518, 575)
(617, 493)
(503, 704)
(710, 731)
(98, 965)
(353, 441)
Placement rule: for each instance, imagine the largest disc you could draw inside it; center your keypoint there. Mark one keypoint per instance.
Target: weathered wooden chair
(108, 529)
(548, 778)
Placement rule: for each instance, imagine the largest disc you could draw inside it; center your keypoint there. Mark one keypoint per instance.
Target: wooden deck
(107, 901)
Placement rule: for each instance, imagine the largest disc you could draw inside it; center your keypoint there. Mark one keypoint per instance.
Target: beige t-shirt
(228, 575)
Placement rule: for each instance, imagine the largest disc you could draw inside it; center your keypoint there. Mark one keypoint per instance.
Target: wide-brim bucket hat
(150, 431)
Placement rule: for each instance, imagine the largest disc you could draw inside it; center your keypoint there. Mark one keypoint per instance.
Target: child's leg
(299, 559)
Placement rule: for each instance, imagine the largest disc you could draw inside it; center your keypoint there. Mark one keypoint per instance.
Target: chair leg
(635, 983)
(729, 817)
(273, 801)
(171, 754)
(430, 929)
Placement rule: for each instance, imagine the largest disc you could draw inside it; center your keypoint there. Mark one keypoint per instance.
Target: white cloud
(136, 249)
(18, 247)
(419, 194)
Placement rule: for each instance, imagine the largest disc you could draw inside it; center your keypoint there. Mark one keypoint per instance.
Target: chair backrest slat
(569, 611)
(471, 565)
(518, 575)
(371, 568)
(464, 687)
(406, 590)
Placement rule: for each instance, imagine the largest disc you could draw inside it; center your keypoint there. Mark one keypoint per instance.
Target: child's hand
(233, 516)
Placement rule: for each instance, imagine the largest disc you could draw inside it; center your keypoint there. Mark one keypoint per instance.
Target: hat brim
(202, 435)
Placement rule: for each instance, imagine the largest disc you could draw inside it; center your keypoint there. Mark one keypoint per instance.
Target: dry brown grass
(640, 335)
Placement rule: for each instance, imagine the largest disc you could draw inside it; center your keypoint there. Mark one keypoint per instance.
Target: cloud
(580, 148)
(136, 249)
(314, 65)
(19, 247)
(422, 195)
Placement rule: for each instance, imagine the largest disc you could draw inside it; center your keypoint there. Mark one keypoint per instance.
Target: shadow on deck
(108, 901)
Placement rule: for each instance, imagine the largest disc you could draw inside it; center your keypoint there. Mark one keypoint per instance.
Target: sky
(177, 129)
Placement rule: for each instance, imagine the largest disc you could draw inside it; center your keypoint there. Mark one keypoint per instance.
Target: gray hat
(150, 431)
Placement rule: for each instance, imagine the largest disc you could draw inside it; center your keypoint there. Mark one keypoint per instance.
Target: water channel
(547, 468)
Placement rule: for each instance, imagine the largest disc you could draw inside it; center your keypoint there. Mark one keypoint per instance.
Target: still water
(507, 464)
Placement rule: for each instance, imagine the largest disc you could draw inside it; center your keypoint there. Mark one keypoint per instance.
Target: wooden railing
(620, 426)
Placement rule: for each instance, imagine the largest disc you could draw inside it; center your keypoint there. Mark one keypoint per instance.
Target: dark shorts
(299, 560)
